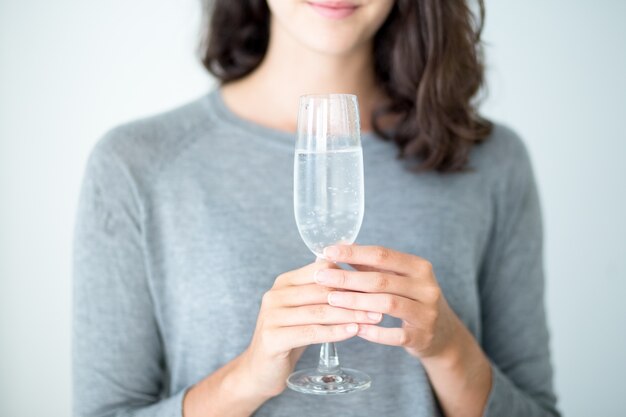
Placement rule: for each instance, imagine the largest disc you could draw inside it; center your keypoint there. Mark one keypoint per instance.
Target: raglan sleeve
(511, 286)
(118, 356)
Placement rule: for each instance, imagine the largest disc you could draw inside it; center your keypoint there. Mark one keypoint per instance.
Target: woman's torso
(217, 203)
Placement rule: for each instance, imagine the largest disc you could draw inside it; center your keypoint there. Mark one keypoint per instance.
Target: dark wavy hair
(428, 59)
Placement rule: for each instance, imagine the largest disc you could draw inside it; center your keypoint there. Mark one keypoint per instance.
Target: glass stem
(329, 360)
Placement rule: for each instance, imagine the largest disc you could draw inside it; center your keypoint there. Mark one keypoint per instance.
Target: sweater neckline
(216, 100)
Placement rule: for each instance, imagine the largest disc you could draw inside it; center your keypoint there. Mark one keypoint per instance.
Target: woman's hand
(394, 283)
(294, 314)
(404, 286)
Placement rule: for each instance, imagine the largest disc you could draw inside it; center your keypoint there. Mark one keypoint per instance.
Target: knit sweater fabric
(186, 218)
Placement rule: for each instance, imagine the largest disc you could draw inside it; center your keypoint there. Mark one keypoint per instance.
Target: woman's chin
(334, 46)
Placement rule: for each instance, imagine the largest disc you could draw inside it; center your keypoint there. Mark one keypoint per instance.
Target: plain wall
(70, 70)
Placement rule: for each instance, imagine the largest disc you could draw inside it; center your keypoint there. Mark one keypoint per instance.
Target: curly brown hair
(427, 56)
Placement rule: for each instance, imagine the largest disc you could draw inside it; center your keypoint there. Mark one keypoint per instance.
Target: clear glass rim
(327, 96)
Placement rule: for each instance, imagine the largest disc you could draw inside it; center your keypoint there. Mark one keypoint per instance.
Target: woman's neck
(269, 95)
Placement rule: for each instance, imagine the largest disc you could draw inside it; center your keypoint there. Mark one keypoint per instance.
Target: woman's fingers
(393, 336)
(287, 338)
(365, 268)
(372, 282)
(292, 296)
(393, 305)
(379, 257)
(303, 275)
(319, 314)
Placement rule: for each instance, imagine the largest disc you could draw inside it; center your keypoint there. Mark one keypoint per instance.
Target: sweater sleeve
(118, 355)
(511, 284)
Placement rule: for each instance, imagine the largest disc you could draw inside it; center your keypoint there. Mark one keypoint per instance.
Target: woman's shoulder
(158, 136)
(504, 165)
(503, 154)
(147, 144)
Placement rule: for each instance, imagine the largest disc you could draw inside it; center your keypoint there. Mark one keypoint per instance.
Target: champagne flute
(329, 205)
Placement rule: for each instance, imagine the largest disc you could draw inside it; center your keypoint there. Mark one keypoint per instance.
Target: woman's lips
(334, 10)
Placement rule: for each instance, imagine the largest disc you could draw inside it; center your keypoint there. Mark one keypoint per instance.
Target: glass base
(342, 381)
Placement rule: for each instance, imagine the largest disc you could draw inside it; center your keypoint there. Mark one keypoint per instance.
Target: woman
(194, 295)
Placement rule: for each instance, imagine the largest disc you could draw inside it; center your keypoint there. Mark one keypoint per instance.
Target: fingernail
(352, 328)
(321, 276)
(374, 316)
(331, 252)
(334, 298)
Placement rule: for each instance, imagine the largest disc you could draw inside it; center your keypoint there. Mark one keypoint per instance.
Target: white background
(70, 69)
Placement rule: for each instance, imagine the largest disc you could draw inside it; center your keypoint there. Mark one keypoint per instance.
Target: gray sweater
(185, 220)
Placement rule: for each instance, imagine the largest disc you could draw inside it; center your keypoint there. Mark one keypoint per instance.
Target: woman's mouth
(334, 9)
